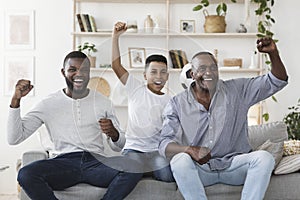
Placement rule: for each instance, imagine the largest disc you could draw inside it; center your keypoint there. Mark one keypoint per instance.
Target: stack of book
(86, 23)
(178, 58)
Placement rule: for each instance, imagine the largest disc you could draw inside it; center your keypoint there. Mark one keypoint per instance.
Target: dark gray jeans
(117, 174)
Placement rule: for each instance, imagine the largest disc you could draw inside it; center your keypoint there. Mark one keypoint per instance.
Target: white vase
(148, 24)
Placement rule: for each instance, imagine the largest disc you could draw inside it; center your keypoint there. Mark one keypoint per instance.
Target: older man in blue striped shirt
(205, 128)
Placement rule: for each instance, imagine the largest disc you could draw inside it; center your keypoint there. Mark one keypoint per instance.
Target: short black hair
(155, 58)
(77, 54)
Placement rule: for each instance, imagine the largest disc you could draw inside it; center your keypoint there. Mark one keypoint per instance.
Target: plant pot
(214, 23)
(92, 61)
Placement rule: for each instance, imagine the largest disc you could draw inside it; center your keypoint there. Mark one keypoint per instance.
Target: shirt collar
(190, 96)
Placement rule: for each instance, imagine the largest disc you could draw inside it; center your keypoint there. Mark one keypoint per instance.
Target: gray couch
(282, 187)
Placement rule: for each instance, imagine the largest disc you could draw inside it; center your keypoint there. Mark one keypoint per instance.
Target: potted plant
(292, 120)
(88, 48)
(264, 24)
(214, 23)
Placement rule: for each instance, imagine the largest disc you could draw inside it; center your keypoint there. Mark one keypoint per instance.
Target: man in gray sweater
(78, 120)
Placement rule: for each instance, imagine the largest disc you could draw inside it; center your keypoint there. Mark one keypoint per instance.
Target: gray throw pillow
(274, 148)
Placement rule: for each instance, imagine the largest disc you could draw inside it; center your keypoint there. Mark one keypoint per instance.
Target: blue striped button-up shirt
(224, 127)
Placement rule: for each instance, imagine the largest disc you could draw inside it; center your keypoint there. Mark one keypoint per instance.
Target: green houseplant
(220, 10)
(213, 23)
(264, 24)
(88, 48)
(292, 120)
(263, 11)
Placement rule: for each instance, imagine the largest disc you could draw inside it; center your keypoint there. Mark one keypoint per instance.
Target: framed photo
(187, 26)
(137, 57)
(19, 29)
(16, 68)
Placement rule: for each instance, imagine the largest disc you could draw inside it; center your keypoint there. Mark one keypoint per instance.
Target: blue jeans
(40, 178)
(152, 162)
(253, 170)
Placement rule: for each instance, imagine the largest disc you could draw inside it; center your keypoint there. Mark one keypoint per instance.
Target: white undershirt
(144, 116)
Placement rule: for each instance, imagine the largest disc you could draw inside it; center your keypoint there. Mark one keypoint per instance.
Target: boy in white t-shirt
(145, 105)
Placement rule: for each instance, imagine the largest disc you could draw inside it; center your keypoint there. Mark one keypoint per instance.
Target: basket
(232, 62)
(214, 23)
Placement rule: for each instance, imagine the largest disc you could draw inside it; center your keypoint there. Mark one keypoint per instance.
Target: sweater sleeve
(19, 129)
(119, 144)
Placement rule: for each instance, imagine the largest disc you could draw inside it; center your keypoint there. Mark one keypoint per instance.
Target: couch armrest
(31, 156)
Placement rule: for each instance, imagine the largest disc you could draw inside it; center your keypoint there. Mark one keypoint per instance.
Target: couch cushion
(153, 189)
(148, 188)
(259, 134)
(283, 187)
(274, 148)
(288, 164)
(81, 191)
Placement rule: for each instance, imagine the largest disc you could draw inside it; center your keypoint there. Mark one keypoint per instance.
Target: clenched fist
(108, 128)
(23, 87)
(199, 154)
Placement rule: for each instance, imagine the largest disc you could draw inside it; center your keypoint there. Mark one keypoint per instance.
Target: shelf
(213, 35)
(109, 34)
(195, 2)
(198, 35)
(121, 1)
(242, 70)
(154, 1)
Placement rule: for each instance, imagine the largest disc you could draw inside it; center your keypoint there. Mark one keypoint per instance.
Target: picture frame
(19, 29)
(137, 57)
(187, 26)
(16, 68)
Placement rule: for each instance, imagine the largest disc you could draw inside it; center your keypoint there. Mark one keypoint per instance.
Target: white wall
(53, 40)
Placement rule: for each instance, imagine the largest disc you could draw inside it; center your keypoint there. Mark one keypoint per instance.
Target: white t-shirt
(144, 116)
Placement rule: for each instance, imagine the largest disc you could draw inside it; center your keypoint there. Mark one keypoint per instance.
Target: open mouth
(158, 82)
(207, 79)
(78, 82)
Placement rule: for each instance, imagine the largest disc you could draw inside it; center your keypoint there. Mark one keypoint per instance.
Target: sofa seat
(281, 187)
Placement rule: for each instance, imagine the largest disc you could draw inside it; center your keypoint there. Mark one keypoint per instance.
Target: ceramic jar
(148, 24)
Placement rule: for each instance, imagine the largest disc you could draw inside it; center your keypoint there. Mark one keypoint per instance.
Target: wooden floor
(8, 197)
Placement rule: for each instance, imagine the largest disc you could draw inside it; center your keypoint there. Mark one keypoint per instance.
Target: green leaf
(233, 1)
(205, 3)
(197, 8)
(260, 35)
(272, 2)
(266, 116)
(218, 9)
(224, 7)
(261, 28)
(274, 99)
(272, 20)
(258, 12)
(269, 33)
